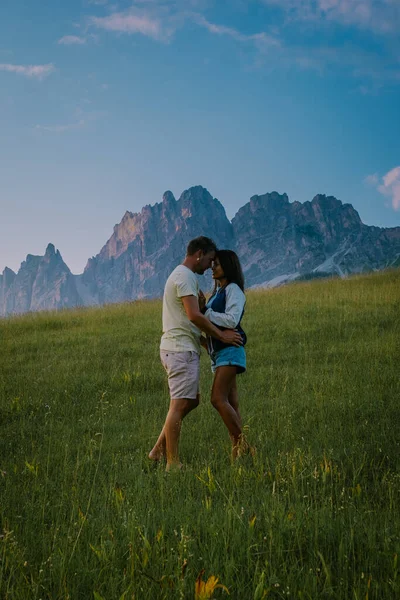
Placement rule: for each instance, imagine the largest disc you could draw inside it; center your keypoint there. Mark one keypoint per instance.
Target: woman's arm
(235, 301)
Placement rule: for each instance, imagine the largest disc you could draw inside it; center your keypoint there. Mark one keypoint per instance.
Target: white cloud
(360, 64)
(160, 19)
(372, 179)
(369, 69)
(388, 185)
(70, 40)
(391, 186)
(128, 22)
(381, 16)
(261, 39)
(157, 19)
(34, 71)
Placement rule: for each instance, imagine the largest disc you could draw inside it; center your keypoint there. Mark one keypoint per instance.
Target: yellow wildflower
(204, 590)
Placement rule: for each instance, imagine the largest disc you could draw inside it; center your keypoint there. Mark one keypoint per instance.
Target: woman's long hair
(231, 267)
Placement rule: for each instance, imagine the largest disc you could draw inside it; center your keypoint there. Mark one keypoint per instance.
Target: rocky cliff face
(42, 282)
(276, 241)
(137, 259)
(276, 238)
(6, 296)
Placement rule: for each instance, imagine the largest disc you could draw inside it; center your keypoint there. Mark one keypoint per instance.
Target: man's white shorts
(183, 370)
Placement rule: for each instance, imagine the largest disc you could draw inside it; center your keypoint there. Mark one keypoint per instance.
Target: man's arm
(191, 306)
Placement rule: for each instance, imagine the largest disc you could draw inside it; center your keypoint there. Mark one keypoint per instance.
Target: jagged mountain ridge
(42, 283)
(145, 246)
(276, 240)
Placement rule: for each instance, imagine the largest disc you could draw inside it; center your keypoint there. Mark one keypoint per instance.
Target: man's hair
(201, 243)
(231, 267)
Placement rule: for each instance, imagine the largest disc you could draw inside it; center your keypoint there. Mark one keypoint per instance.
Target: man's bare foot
(174, 467)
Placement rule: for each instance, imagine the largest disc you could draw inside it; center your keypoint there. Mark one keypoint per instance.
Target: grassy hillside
(314, 515)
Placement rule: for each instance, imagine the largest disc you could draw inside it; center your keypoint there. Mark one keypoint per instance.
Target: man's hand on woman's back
(228, 336)
(231, 336)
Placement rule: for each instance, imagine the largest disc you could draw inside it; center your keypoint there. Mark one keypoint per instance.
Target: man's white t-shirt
(179, 334)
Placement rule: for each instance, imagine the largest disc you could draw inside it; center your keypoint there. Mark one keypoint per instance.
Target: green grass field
(314, 515)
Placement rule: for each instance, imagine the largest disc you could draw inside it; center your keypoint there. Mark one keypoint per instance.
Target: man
(180, 345)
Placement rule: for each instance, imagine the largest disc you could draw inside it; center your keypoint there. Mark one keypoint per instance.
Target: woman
(225, 310)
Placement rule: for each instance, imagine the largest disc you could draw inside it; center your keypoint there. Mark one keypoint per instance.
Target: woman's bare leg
(234, 400)
(224, 379)
(241, 446)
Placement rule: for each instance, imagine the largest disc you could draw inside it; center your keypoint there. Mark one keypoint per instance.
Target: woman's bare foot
(242, 448)
(156, 455)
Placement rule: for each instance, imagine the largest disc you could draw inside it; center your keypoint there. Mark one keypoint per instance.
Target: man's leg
(178, 409)
(159, 450)
(183, 370)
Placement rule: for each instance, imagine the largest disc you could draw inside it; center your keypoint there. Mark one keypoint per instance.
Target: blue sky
(105, 105)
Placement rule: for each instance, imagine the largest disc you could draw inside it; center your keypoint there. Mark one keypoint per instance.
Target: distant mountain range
(276, 240)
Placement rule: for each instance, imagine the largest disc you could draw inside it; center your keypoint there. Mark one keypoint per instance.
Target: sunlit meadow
(314, 515)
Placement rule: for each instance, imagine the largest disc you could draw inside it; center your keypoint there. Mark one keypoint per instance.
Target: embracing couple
(186, 314)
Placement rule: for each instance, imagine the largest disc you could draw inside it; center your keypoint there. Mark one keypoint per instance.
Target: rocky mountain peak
(270, 202)
(169, 207)
(264, 207)
(123, 233)
(52, 255)
(41, 282)
(194, 199)
(127, 217)
(330, 208)
(7, 279)
(31, 259)
(168, 198)
(50, 250)
(326, 201)
(8, 276)
(197, 193)
(156, 224)
(197, 202)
